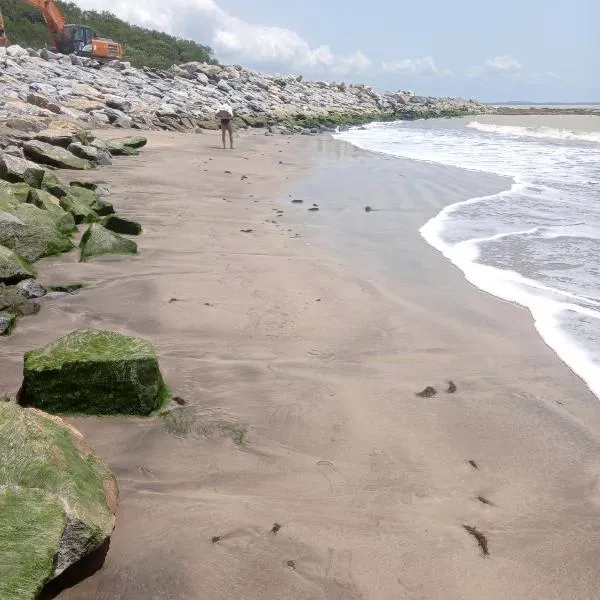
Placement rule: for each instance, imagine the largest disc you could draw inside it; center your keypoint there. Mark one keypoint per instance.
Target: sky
(529, 50)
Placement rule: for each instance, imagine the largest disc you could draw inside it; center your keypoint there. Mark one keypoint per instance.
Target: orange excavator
(74, 39)
(3, 38)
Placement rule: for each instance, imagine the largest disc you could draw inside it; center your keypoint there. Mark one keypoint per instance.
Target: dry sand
(299, 364)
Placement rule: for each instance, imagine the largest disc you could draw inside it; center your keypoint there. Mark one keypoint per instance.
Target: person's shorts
(225, 122)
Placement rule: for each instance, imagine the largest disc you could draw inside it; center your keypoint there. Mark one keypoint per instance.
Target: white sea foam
(535, 244)
(536, 132)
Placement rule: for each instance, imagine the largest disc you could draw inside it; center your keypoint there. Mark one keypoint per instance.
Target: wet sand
(299, 359)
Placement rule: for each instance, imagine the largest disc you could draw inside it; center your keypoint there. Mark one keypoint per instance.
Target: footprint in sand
(334, 477)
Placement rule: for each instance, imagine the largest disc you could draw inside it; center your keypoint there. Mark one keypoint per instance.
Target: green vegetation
(143, 47)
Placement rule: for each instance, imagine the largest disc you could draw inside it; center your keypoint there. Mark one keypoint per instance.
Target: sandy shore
(299, 347)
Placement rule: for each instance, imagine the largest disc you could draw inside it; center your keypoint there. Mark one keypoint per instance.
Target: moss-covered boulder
(93, 372)
(95, 155)
(16, 170)
(118, 148)
(98, 240)
(132, 141)
(55, 156)
(57, 500)
(13, 268)
(92, 199)
(81, 212)
(121, 225)
(31, 232)
(13, 302)
(18, 192)
(51, 183)
(65, 221)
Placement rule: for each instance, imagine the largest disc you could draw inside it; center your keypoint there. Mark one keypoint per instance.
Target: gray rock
(7, 322)
(30, 289)
(118, 103)
(16, 51)
(91, 153)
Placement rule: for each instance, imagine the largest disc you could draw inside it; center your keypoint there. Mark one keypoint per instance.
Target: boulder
(30, 289)
(117, 103)
(8, 321)
(65, 221)
(81, 212)
(132, 141)
(58, 500)
(93, 372)
(11, 301)
(92, 199)
(43, 102)
(18, 192)
(121, 225)
(15, 170)
(31, 232)
(98, 240)
(56, 137)
(51, 183)
(91, 153)
(13, 268)
(54, 155)
(118, 148)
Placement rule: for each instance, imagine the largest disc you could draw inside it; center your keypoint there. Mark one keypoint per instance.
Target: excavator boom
(52, 16)
(3, 38)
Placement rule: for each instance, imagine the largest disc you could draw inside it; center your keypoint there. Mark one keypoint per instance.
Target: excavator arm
(3, 38)
(53, 18)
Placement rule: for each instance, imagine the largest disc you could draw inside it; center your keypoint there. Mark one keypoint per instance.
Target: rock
(56, 137)
(121, 225)
(8, 322)
(118, 148)
(51, 183)
(16, 51)
(91, 153)
(13, 268)
(31, 232)
(55, 156)
(92, 199)
(64, 221)
(58, 500)
(43, 102)
(15, 169)
(117, 103)
(98, 240)
(16, 304)
(14, 192)
(30, 289)
(93, 372)
(132, 141)
(81, 212)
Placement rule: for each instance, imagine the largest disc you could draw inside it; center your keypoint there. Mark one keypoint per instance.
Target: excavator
(71, 39)
(3, 38)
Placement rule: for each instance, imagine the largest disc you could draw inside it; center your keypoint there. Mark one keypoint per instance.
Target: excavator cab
(77, 39)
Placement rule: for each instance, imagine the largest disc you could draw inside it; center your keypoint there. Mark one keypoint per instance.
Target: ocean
(537, 243)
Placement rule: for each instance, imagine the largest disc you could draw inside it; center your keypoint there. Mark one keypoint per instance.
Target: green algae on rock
(65, 221)
(81, 212)
(18, 170)
(132, 141)
(121, 225)
(92, 199)
(51, 183)
(57, 500)
(93, 372)
(18, 192)
(98, 240)
(117, 148)
(8, 322)
(30, 231)
(13, 268)
(54, 155)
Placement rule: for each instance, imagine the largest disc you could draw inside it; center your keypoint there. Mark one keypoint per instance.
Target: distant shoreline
(563, 109)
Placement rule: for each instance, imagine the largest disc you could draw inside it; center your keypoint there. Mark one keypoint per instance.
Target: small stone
(30, 289)
(7, 323)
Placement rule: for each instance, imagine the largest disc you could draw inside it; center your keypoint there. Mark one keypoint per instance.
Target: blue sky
(528, 49)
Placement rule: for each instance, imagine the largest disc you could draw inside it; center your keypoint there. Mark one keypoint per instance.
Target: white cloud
(417, 66)
(235, 40)
(500, 65)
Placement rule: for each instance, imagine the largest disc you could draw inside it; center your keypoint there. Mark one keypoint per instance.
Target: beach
(303, 464)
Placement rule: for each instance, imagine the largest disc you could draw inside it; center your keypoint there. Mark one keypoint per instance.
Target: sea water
(536, 244)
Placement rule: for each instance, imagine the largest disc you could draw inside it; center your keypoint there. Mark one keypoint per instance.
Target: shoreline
(318, 354)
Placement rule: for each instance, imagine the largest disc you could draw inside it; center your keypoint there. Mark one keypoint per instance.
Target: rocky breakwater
(40, 212)
(40, 86)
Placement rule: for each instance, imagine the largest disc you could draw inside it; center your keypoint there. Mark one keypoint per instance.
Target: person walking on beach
(225, 113)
